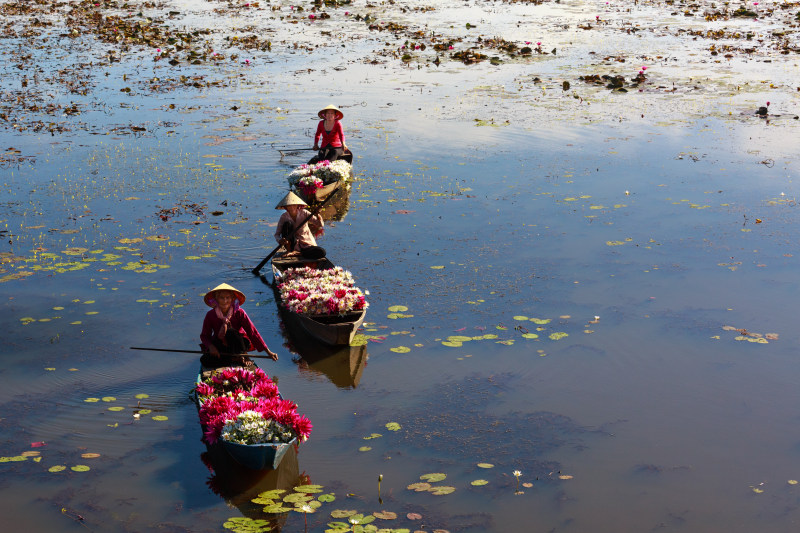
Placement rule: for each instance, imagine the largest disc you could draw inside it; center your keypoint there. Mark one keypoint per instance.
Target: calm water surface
(632, 235)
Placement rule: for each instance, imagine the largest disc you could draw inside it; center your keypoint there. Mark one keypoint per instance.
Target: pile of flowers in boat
(310, 291)
(244, 406)
(316, 175)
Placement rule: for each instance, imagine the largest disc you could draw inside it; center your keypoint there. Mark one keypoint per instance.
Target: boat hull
(258, 456)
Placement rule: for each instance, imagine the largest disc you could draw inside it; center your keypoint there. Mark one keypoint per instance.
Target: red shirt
(239, 321)
(335, 138)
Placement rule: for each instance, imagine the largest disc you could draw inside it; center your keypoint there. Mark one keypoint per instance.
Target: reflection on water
(597, 254)
(238, 486)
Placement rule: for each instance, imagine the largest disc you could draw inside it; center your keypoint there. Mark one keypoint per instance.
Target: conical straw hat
(239, 295)
(290, 199)
(339, 114)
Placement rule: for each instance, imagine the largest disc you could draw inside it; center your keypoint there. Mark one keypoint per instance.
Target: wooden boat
(252, 456)
(348, 156)
(334, 330)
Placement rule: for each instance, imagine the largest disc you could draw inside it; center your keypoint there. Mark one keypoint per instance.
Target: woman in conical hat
(301, 241)
(228, 329)
(329, 138)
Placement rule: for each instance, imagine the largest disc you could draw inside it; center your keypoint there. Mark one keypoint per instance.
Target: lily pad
(393, 426)
(80, 468)
(398, 309)
(342, 513)
(57, 468)
(400, 349)
(433, 478)
(479, 482)
(485, 465)
(308, 489)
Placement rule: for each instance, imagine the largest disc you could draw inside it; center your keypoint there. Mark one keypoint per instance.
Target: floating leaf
(14, 459)
(327, 498)
(109, 399)
(479, 482)
(373, 436)
(433, 478)
(398, 309)
(414, 516)
(485, 465)
(90, 455)
(80, 468)
(530, 336)
(57, 468)
(277, 508)
(419, 487)
(442, 490)
(452, 344)
(558, 335)
(141, 396)
(342, 513)
(160, 418)
(520, 317)
(393, 426)
(437, 267)
(116, 408)
(792, 482)
(308, 489)
(244, 524)
(271, 494)
(385, 515)
(296, 497)
(400, 349)
(365, 448)
(144, 411)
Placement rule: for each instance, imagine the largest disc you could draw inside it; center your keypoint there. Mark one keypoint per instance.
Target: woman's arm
(252, 333)
(318, 134)
(340, 129)
(206, 335)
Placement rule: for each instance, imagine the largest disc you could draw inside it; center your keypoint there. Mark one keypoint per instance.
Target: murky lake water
(634, 233)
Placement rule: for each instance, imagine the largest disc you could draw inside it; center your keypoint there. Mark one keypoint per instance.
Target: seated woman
(329, 138)
(228, 330)
(302, 241)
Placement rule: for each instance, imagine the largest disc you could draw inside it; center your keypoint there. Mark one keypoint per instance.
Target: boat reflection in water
(238, 485)
(342, 365)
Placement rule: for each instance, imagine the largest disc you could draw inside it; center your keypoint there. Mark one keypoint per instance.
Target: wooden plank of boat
(336, 330)
(253, 456)
(347, 156)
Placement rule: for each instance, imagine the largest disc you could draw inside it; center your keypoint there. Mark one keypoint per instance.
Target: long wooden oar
(313, 212)
(201, 352)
